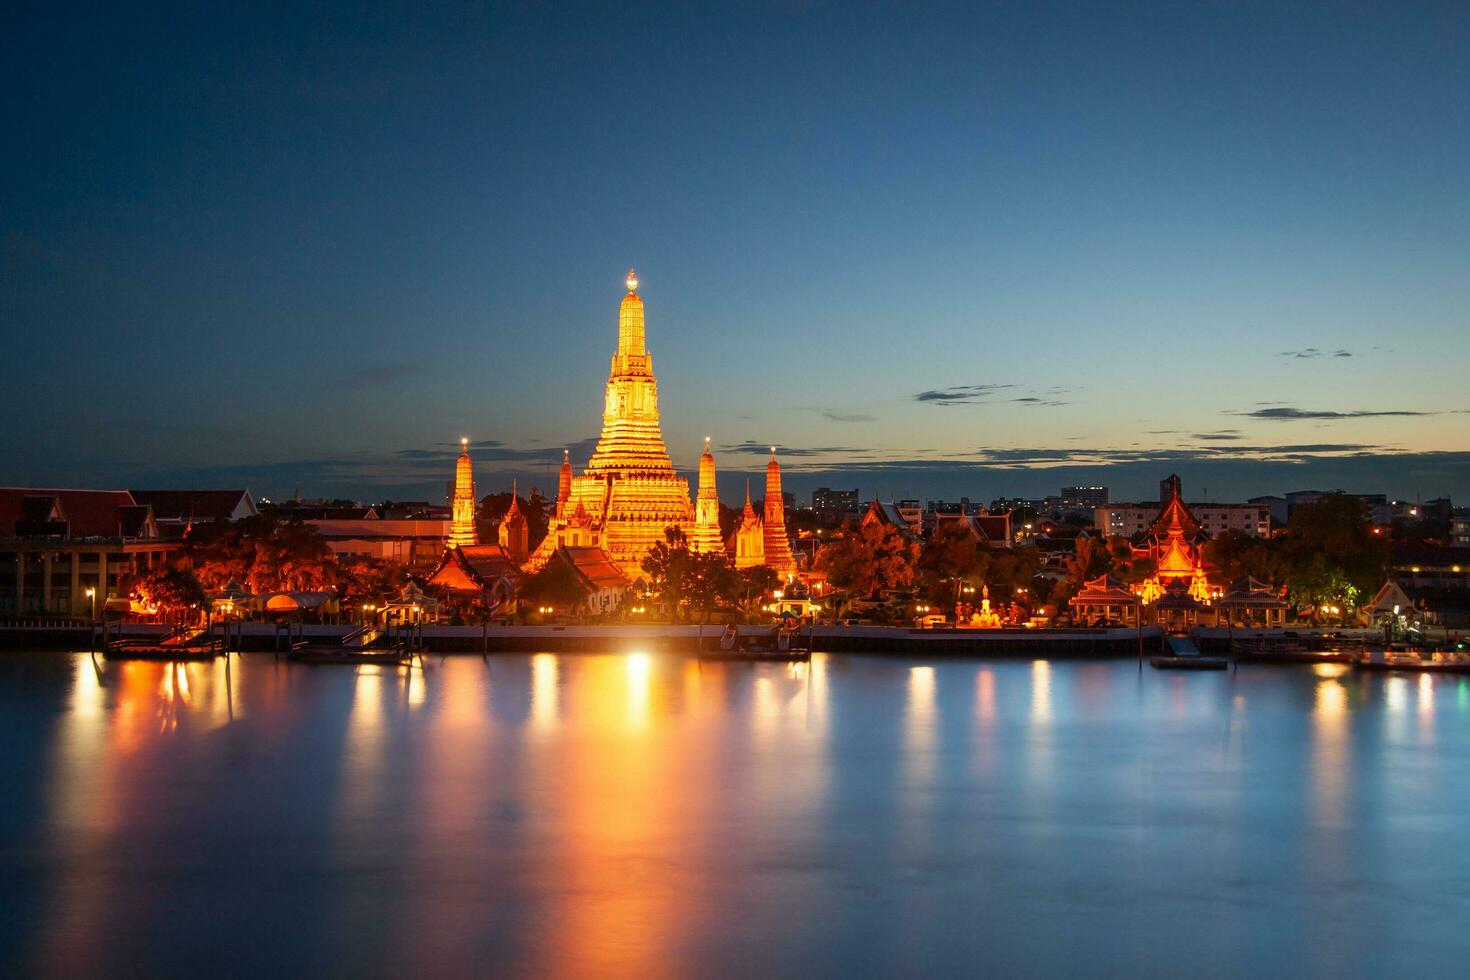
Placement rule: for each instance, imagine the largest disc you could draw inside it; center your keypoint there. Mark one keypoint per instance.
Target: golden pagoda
(629, 494)
(777, 544)
(462, 512)
(706, 533)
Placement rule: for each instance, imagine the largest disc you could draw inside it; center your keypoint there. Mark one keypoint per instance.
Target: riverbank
(1079, 643)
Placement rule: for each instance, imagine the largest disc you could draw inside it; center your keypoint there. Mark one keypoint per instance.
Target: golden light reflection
(1426, 707)
(1329, 670)
(640, 670)
(544, 695)
(1331, 763)
(920, 728)
(1041, 691)
(985, 696)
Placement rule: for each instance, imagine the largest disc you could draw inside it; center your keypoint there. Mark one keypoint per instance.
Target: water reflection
(653, 815)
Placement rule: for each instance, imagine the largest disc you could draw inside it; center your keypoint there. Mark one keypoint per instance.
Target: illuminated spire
(706, 534)
(777, 546)
(462, 506)
(630, 321)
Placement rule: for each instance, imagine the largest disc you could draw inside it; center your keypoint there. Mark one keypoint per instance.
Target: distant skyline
(953, 250)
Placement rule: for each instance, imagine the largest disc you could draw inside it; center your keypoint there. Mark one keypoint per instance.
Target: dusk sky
(926, 250)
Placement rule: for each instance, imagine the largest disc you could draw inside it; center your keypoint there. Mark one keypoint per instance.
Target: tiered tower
(462, 513)
(750, 538)
(515, 529)
(706, 533)
(564, 486)
(777, 545)
(629, 494)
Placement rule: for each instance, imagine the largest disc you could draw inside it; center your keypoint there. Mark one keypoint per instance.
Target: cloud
(849, 417)
(763, 448)
(959, 394)
(1288, 414)
(1040, 402)
(1224, 435)
(1315, 352)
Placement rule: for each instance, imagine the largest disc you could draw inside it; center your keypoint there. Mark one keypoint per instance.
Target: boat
(1417, 661)
(180, 644)
(323, 653)
(1261, 651)
(1184, 655)
(787, 648)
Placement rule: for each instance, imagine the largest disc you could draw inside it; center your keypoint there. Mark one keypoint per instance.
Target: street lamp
(92, 601)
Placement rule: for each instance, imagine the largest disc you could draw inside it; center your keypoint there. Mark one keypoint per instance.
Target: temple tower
(777, 545)
(515, 529)
(564, 485)
(706, 533)
(462, 507)
(750, 539)
(629, 493)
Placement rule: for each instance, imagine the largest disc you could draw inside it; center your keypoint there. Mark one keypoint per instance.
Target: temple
(706, 533)
(1172, 542)
(629, 493)
(777, 544)
(749, 542)
(462, 526)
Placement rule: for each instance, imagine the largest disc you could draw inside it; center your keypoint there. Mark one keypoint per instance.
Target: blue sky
(976, 249)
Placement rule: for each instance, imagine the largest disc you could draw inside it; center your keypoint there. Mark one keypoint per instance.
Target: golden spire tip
(632, 281)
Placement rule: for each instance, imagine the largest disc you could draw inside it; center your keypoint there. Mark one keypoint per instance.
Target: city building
(175, 511)
(68, 552)
(1084, 498)
(1132, 519)
(839, 502)
(417, 544)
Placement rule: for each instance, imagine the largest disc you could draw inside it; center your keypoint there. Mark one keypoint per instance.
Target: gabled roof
(594, 566)
(71, 513)
(472, 568)
(889, 514)
(197, 505)
(1104, 590)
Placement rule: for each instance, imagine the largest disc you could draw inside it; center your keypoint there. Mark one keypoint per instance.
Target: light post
(92, 601)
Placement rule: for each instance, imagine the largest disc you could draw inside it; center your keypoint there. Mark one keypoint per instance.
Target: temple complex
(706, 533)
(462, 526)
(777, 544)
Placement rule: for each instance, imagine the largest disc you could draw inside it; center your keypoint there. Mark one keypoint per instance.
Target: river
(648, 815)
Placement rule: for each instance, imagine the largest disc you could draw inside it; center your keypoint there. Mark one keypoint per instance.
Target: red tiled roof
(87, 513)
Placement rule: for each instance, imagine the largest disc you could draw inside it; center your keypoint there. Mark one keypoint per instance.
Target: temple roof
(473, 567)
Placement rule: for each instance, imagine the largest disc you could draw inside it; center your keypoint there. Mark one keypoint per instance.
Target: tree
(869, 559)
(754, 583)
(709, 580)
(1336, 529)
(266, 552)
(172, 590)
(667, 566)
(361, 577)
(951, 555)
(556, 584)
(1091, 559)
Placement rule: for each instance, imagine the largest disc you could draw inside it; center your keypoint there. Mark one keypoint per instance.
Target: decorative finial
(632, 281)
(566, 455)
(464, 444)
(773, 452)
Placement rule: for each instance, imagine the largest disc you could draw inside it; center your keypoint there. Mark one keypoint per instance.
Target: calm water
(650, 816)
